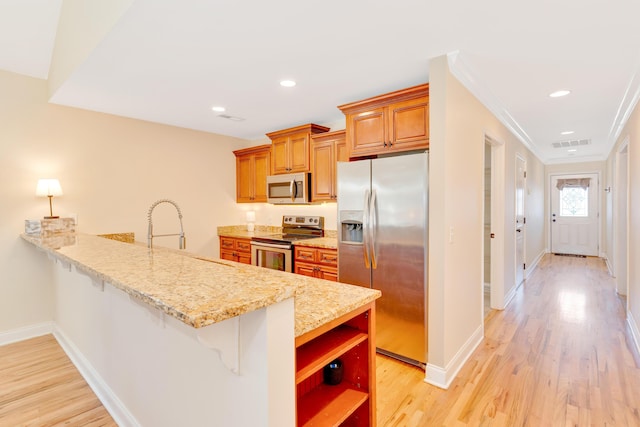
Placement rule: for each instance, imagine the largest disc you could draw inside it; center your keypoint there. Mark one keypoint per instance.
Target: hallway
(561, 354)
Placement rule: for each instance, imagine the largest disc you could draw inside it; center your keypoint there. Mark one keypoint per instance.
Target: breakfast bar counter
(200, 291)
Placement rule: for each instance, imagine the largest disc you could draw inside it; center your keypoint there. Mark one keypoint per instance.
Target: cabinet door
(228, 255)
(280, 155)
(322, 171)
(299, 152)
(367, 132)
(342, 155)
(305, 269)
(244, 258)
(260, 173)
(244, 179)
(327, 273)
(409, 124)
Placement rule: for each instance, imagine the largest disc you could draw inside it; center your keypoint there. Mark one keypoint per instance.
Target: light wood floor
(559, 355)
(39, 386)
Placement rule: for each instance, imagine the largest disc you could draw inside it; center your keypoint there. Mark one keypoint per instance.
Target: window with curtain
(574, 197)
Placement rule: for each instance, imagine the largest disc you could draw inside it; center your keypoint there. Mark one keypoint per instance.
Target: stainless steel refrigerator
(382, 244)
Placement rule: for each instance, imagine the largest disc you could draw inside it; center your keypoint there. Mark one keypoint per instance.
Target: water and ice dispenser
(351, 227)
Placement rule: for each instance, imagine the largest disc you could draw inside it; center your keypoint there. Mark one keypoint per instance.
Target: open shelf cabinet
(351, 339)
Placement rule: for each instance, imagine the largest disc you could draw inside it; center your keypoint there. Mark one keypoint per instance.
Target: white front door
(521, 175)
(574, 214)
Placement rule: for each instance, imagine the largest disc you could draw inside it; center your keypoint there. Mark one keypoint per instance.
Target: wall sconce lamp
(251, 219)
(49, 188)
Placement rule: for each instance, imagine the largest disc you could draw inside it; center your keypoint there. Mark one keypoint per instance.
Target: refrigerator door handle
(373, 223)
(365, 230)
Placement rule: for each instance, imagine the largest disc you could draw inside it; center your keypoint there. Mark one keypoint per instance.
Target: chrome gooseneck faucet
(182, 242)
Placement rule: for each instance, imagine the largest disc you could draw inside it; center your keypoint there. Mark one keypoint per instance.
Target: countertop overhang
(200, 291)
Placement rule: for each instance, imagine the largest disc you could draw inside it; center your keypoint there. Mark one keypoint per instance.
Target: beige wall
(111, 170)
(459, 123)
(631, 132)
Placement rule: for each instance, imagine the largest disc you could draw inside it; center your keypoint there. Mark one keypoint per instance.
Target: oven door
(271, 255)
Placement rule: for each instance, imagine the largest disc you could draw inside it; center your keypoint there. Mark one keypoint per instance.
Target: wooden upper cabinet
(252, 167)
(393, 122)
(326, 150)
(290, 148)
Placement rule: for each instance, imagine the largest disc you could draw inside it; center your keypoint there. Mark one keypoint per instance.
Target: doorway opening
(487, 228)
(493, 222)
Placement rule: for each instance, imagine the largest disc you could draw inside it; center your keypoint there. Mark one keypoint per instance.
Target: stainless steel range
(276, 250)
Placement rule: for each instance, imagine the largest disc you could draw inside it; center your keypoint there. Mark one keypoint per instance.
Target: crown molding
(626, 107)
(464, 74)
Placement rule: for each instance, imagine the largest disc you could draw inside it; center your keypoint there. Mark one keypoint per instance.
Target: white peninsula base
(150, 369)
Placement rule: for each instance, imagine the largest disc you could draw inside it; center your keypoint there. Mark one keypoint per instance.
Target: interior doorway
(575, 214)
(520, 220)
(487, 228)
(493, 224)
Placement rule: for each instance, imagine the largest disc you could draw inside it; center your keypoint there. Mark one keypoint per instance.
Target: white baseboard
(442, 377)
(26, 332)
(535, 263)
(114, 406)
(635, 331)
(609, 267)
(509, 297)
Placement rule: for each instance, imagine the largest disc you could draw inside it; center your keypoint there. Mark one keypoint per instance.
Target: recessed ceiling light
(287, 83)
(560, 93)
(567, 132)
(219, 109)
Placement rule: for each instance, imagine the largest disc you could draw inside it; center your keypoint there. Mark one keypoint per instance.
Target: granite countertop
(330, 240)
(200, 291)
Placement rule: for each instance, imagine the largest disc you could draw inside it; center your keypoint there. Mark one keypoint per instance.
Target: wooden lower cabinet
(352, 402)
(316, 262)
(233, 249)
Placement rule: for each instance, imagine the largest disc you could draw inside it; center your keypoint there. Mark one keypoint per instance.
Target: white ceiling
(169, 61)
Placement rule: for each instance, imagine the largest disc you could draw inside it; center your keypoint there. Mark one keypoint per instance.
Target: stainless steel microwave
(288, 189)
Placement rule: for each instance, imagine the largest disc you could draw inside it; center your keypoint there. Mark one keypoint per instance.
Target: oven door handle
(270, 245)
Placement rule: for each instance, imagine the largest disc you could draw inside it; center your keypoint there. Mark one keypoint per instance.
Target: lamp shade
(251, 216)
(48, 187)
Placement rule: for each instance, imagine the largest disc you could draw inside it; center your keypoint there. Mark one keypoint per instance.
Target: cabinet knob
(384, 144)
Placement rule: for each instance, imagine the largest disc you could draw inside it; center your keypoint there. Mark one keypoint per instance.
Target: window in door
(574, 197)
(574, 202)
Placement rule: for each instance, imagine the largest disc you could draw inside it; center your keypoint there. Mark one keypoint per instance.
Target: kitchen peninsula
(168, 338)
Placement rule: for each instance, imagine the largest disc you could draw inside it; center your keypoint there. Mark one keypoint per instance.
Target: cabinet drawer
(327, 256)
(243, 245)
(305, 254)
(227, 243)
